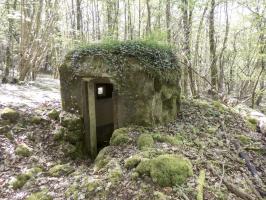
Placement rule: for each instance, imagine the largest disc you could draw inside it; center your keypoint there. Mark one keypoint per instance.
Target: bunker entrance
(104, 113)
(98, 113)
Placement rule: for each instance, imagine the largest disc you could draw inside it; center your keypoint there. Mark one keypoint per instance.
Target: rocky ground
(213, 150)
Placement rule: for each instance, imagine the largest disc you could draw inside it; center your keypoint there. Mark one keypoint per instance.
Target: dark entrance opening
(104, 113)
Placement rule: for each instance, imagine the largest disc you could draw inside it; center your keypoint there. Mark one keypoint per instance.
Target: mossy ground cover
(202, 134)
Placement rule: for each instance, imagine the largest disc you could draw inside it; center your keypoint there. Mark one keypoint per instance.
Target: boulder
(9, 114)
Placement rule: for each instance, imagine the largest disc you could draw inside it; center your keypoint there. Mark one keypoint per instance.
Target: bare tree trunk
(168, 20)
(139, 15)
(79, 18)
(148, 26)
(214, 71)
(221, 57)
(196, 53)
(187, 22)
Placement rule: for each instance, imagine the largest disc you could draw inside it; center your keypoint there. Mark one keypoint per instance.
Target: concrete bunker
(117, 85)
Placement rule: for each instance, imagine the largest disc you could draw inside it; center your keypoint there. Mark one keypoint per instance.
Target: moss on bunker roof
(154, 58)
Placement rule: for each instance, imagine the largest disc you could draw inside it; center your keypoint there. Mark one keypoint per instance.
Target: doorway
(98, 113)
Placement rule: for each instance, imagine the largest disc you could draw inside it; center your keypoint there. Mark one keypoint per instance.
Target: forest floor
(212, 136)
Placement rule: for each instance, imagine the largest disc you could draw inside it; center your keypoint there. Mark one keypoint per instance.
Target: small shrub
(145, 141)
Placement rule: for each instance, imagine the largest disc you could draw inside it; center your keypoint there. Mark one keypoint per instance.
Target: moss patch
(244, 139)
(120, 137)
(60, 170)
(145, 141)
(23, 150)
(251, 123)
(102, 158)
(9, 114)
(53, 114)
(166, 170)
(132, 161)
(22, 179)
(174, 140)
(92, 185)
(42, 195)
(36, 120)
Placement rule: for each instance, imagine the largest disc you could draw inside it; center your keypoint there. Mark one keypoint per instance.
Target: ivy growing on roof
(157, 60)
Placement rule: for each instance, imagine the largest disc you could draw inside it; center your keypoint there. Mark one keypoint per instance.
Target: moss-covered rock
(115, 171)
(102, 158)
(93, 184)
(159, 196)
(36, 120)
(174, 140)
(61, 170)
(70, 121)
(9, 114)
(59, 134)
(9, 135)
(144, 167)
(132, 161)
(170, 170)
(23, 150)
(22, 178)
(53, 114)
(72, 192)
(166, 170)
(120, 137)
(42, 195)
(73, 136)
(145, 140)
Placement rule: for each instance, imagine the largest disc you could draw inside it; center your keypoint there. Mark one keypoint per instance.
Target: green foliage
(23, 150)
(60, 170)
(145, 140)
(166, 170)
(158, 60)
(120, 137)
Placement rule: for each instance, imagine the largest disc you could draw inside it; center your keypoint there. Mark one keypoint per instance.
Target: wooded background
(220, 43)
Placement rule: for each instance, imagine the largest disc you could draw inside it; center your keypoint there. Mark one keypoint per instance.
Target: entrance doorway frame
(88, 86)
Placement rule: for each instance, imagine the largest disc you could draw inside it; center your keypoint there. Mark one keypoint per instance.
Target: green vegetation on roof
(157, 59)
